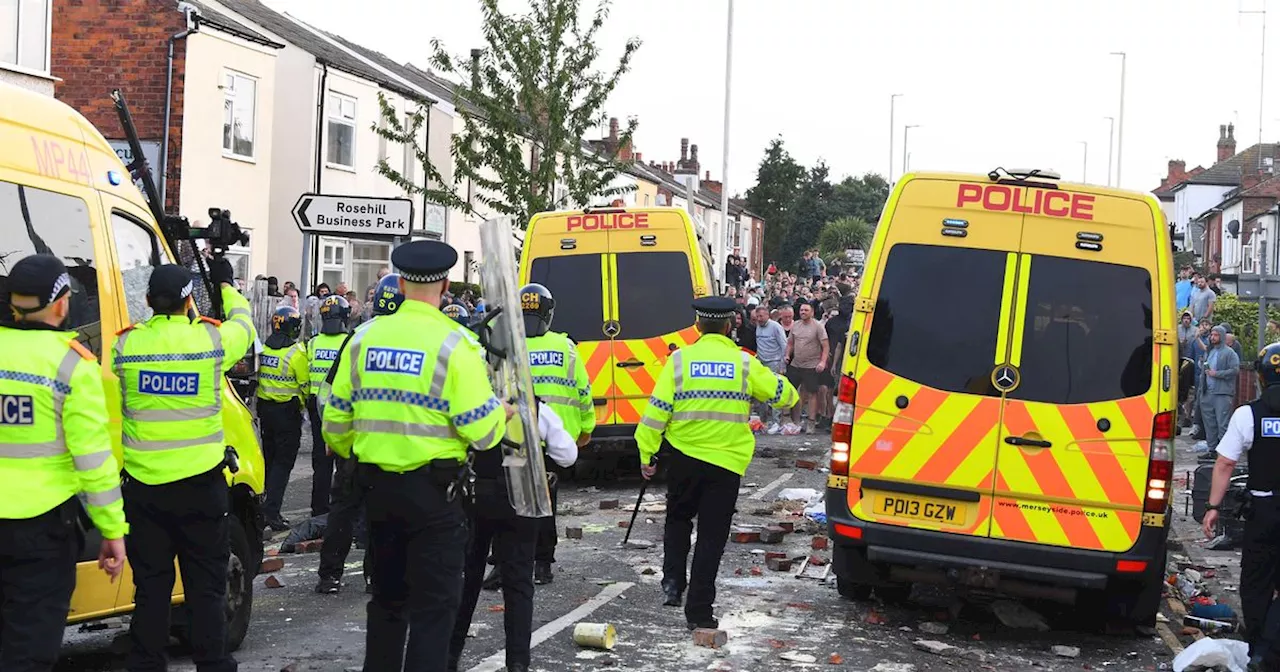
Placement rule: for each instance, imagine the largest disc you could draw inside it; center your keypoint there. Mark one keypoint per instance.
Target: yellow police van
(623, 281)
(1006, 410)
(64, 191)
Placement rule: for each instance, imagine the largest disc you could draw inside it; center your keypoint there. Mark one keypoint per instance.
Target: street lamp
(1262, 67)
(892, 99)
(1084, 168)
(1111, 144)
(906, 131)
(1120, 136)
(724, 165)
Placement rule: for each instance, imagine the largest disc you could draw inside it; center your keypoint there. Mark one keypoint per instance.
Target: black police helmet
(334, 312)
(1268, 365)
(457, 312)
(286, 321)
(387, 296)
(539, 308)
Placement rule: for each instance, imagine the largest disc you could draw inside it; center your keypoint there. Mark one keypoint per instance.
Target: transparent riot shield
(508, 355)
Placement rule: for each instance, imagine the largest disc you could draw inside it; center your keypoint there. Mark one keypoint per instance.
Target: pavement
(774, 620)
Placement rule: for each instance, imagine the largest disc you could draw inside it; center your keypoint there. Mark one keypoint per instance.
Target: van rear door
(1076, 430)
(927, 412)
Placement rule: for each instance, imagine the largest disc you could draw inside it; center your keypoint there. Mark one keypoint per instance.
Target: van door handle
(630, 363)
(1019, 441)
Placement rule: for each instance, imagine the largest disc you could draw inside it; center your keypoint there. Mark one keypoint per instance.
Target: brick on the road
(711, 639)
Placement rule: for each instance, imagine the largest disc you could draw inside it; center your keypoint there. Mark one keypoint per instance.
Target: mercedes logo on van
(1005, 378)
(612, 328)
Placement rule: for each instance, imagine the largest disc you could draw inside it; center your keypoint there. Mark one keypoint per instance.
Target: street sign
(353, 215)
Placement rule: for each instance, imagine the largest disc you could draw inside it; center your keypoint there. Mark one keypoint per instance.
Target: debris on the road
(935, 647)
(270, 565)
(806, 464)
(311, 529)
(639, 544)
(787, 526)
(608, 504)
(893, 667)
(835, 659)
(310, 546)
(934, 628)
(818, 544)
(745, 536)
(873, 617)
(797, 657)
(573, 533)
(772, 535)
(497, 608)
(1018, 615)
(649, 571)
(623, 524)
(797, 495)
(1066, 651)
(778, 564)
(817, 561)
(595, 635)
(1213, 653)
(709, 638)
(755, 571)
(273, 582)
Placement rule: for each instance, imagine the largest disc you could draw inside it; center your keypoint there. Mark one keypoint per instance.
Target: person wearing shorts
(807, 354)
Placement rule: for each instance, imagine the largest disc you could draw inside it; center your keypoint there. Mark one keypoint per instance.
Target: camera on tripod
(221, 233)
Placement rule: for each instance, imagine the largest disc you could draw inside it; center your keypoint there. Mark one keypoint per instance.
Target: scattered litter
(806, 464)
(1207, 653)
(273, 582)
(873, 617)
(497, 608)
(818, 544)
(797, 657)
(595, 635)
(778, 564)
(1161, 618)
(640, 544)
(649, 571)
(817, 512)
(591, 488)
(755, 571)
(798, 494)
(573, 533)
(709, 638)
(934, 628)
(741, 536)
(270, 565)
(1066, 651)
(623, 524)
(608, 504)
(654, 507)
(935, 647)
(893, 667)
(1017, 615)
(772, 535)
(835, 659)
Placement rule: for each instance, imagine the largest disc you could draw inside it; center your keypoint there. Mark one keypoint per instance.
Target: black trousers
(186, 519)
(418, 541)
(347, 509)
(709, 493)
(281, 424)
(1260, 577)
(37, 576)
(548, 534)
(495, 526)
(321, 463)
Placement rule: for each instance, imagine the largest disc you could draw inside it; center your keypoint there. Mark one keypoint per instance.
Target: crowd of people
(796, 324)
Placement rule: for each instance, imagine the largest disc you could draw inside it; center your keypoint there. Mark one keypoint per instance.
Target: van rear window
(655, 293)
(574, 282)
(937, 316)
(1087, 332)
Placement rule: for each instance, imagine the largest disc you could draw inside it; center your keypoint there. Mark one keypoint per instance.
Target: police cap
(715, 307)
(42, 276)
(424, 261)
(170, 285)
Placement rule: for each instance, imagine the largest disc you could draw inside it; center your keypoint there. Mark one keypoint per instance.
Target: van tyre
(858, 592)
(241, 568)
(894, 593)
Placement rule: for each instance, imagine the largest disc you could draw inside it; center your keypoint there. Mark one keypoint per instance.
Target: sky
(1013, 83)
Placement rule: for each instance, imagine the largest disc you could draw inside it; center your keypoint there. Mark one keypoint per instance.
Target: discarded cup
(595, 635)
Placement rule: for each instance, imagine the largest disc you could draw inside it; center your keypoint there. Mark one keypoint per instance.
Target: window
(35, 221)
(138, 253)
(366, 260)
(655, 293)
(937, 315)
(1087, 332)
(239, 103)
(574, 281)
(239, 256)
(342, 130)
(24, 34)
(410, 152)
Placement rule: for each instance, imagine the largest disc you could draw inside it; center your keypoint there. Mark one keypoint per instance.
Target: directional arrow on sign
(353, 215)
(300, 212)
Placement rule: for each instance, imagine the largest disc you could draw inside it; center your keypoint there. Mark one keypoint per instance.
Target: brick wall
(100, 45)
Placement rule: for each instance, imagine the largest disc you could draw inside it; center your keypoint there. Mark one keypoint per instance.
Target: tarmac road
(774, 620)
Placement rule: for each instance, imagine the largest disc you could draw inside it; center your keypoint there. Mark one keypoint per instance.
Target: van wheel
(859, 592)
(240, 573)
(894, 593)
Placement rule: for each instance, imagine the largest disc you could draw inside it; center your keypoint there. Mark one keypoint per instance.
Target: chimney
(684, 149)
(1226, 142)
(708, 177)
(639, 158)
(613, 130)
(693, 159)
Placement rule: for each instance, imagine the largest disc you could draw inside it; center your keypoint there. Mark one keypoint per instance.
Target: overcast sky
(1014, 83)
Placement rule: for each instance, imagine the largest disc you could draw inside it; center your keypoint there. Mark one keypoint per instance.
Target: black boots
(672, 592)
(542, 573)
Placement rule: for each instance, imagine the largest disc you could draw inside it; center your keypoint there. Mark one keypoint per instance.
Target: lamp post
(892, 100)
(724, 166)
(1120, 135)
(906, 135)
(1262, 68)
(1111, 144)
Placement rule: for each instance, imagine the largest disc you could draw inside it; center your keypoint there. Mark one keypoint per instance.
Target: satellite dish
(1233, 228)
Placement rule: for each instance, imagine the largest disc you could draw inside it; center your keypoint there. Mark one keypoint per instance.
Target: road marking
(1170, 641)
(499, 660)
(759, 494)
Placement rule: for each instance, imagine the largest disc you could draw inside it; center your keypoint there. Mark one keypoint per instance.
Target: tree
(535, 85)
(860, 197)
(407, 133)
(843, 234)
(773, 196)
(810, 212)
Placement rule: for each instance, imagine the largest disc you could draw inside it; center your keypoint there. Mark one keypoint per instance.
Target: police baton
(639, 498)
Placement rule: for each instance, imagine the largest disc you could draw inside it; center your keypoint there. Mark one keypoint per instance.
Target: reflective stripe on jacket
(282, 373)
(322, 352)
(560, 380)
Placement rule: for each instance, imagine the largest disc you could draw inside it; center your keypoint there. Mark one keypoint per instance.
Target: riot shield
(508, 355)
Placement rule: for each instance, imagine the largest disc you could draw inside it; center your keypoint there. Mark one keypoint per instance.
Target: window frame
(231, 95)
(45, 68)
(159, 255)
(337, 117)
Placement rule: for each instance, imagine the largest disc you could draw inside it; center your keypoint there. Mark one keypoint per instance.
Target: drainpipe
(309, 247)
(192, 26)
(426, 181)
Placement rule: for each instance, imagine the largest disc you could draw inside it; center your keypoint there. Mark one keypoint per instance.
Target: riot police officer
(55, 412)
(458, 313)
(406, 403)
(701, 402)
(348, 498)
(1255, 428)
(283, 384)
(176, 496)
(322, 351)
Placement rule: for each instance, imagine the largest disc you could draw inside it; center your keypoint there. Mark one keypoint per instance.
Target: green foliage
(1184, 258)
(861, 198)
(810, 213)
(843, 234)
(535, 85)
(1243, 318)
(458, 288)
(407, 132)
(773, 196)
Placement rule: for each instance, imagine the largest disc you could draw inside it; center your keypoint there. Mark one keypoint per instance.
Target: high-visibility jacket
(171, 371)
(411, 388)
(560, 380)
(54, 429)
(702, 402)
(282, 373)
(322, 352)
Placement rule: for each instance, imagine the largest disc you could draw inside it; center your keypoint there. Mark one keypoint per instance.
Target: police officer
(1255, 428)
(701, 402)
(322, 351)
(348, 498)
(283, 384)
(54, 443)
(406, 403)
(176, 496)
(457, 312)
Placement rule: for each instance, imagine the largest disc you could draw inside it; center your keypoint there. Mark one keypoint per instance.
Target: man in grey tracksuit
(1218, 387)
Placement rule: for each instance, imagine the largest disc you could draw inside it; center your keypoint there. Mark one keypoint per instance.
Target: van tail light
(1160, 469)
(842, 426)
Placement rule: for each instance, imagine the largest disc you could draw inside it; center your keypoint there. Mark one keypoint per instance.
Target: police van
(1006, 409)
(64, 191)
(623, 280)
